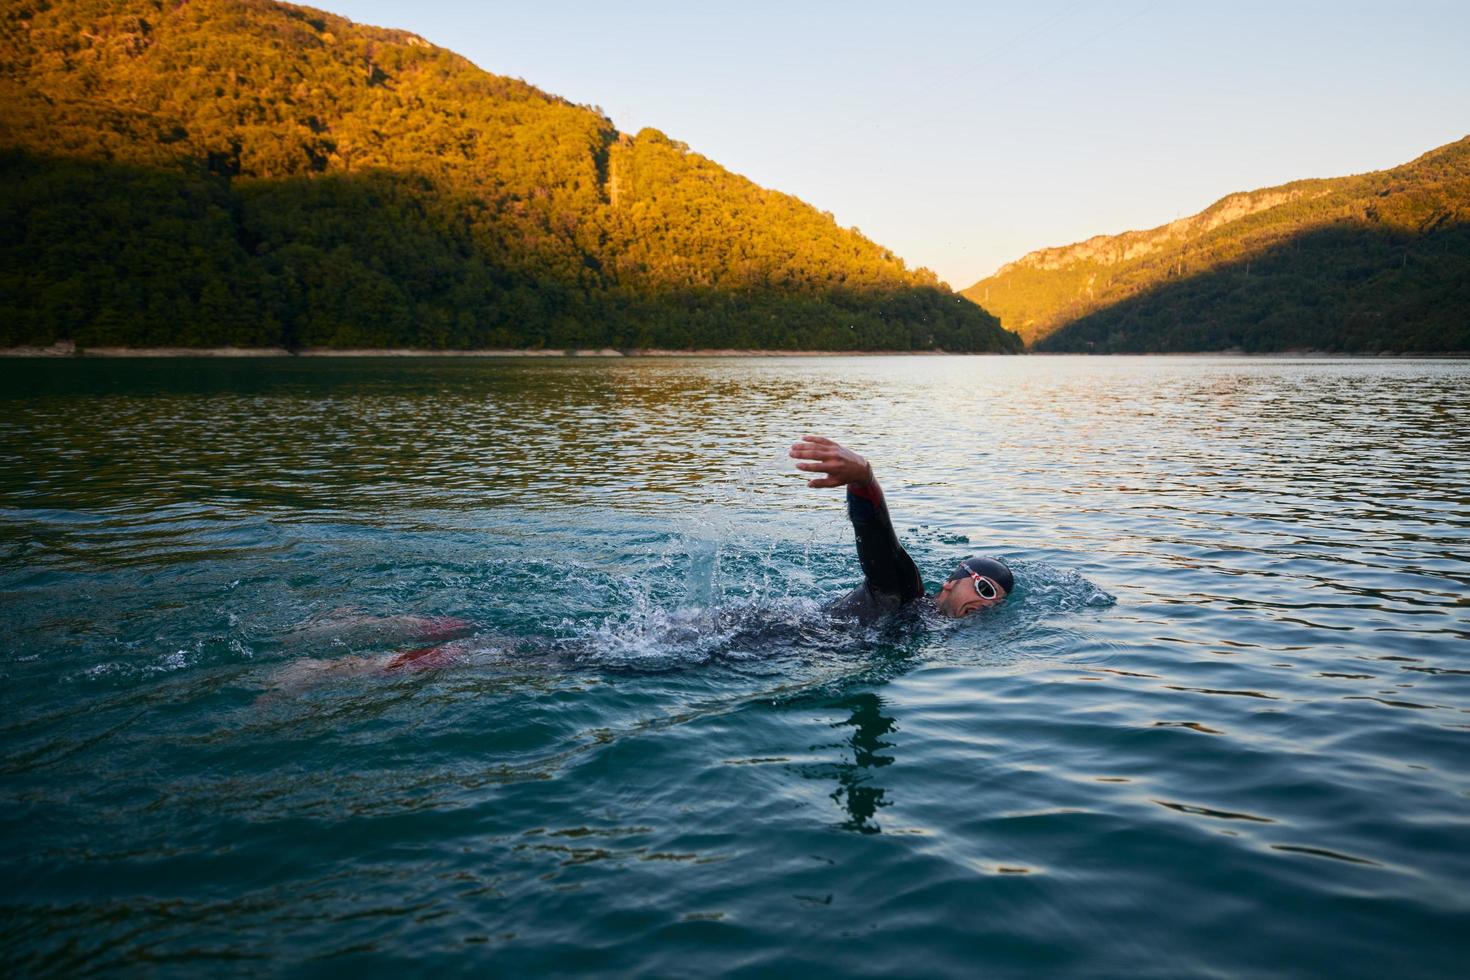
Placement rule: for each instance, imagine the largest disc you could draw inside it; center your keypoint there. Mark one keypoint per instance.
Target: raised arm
(887, 567)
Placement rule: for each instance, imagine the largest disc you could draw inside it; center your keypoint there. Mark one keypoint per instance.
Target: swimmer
(891, 581)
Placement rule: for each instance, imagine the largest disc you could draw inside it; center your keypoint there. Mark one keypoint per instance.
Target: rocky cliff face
(1115, 249)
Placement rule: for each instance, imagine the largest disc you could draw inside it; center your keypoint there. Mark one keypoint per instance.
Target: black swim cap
(992, 568)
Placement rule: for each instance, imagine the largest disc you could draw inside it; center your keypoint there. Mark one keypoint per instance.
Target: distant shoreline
(66, 350)
(69, 351)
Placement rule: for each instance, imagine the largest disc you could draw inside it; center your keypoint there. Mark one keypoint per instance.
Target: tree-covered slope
(248, 172)
(1373, 262)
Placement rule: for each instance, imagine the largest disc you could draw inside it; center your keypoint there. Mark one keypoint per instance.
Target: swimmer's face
(960, 597)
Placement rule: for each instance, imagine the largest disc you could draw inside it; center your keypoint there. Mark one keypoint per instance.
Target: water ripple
(1227, 698)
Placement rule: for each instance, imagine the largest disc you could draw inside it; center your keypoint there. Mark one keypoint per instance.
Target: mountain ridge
(1137, 290)
(323, 183)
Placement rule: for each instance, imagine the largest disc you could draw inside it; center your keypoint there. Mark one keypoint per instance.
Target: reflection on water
(855, 789)
(1228, 697)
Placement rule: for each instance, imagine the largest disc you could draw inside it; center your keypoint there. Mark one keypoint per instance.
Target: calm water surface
(1222, 727)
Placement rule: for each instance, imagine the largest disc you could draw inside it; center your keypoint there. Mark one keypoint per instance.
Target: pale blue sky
(962, 135)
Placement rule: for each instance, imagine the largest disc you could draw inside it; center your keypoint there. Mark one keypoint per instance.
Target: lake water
(1221, 728)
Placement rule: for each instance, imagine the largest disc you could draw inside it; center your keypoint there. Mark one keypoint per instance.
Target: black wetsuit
(890, 579)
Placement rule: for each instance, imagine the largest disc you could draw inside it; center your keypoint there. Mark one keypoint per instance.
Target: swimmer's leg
(355, 629)
(300, 675)
(426, 658)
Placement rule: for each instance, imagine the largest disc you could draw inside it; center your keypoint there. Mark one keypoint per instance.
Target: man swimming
(890, 583)
(890, 579)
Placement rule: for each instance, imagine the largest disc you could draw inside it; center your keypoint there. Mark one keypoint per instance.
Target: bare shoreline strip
(66, 350)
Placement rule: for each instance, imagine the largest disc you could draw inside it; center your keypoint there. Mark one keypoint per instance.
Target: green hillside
(256, 173)
(1373, 262)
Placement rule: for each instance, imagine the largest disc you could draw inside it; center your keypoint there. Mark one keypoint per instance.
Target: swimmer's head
(978, 583)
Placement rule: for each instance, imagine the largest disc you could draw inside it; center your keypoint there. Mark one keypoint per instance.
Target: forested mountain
(203, 172)
(1374, 262)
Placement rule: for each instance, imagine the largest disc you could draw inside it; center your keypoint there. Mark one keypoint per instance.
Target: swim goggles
(984, 587)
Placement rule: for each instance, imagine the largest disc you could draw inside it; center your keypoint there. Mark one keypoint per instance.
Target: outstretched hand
(840, 465)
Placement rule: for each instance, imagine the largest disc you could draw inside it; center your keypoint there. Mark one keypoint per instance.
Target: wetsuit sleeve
(888, 568)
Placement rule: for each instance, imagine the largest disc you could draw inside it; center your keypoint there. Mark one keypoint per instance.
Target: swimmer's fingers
(819, 445)
(826, 481)
(819, 467)
(803, 450)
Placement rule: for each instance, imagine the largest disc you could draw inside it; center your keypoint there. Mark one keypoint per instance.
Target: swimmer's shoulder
(866, 605)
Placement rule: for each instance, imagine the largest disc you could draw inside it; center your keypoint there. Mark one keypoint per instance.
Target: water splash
(742, 619)
(1055, 591)
(745, 631)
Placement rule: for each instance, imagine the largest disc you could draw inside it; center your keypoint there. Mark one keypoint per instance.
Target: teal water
(1220, 729)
